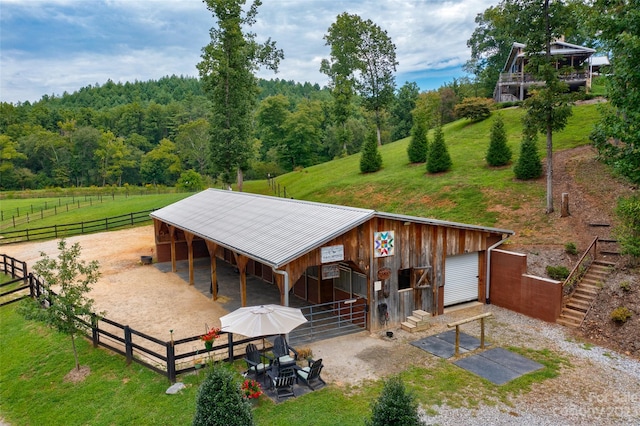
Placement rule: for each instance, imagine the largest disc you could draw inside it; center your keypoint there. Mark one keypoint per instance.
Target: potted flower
(251, 389)
(208, 338)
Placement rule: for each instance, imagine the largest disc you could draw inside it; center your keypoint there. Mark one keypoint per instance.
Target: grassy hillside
(471, 192)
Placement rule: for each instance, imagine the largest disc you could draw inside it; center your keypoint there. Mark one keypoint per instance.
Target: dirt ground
(155, 302)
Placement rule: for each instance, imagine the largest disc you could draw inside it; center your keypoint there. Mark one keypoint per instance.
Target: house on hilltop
(572, 62)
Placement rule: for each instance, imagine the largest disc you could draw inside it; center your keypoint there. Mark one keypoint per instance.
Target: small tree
(190, 180)
(419, 145)
(64, 300)
(438, 159)
(395, 406)
(475, 109)
(220, 402)
(499, 153)
(371, 159)
(628, 231)
(528, 165)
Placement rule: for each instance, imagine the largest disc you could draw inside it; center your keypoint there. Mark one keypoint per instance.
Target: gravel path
(599, 388)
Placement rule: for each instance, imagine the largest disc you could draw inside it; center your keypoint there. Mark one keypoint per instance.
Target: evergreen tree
(499, 153)
(220, 402)
(371, 159)
(395, 406)
(528, 165)
(438, 159)
(419, 144)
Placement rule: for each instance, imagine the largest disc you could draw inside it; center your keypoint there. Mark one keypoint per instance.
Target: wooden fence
(169, 358)
(15, 289)
(65, 230)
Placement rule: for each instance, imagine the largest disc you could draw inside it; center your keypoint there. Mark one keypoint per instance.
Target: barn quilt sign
(383, 244)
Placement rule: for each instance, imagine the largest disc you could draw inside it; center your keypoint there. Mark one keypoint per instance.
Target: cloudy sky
(53, 46)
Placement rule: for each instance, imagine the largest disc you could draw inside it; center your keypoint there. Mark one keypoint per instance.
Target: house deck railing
(518, 77)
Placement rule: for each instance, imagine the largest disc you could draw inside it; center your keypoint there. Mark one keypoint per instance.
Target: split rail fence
(169, 358)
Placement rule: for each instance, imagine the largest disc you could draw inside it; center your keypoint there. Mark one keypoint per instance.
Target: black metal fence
(66, 230)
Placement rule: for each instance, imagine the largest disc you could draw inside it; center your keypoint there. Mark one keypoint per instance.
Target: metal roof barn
(270, 230)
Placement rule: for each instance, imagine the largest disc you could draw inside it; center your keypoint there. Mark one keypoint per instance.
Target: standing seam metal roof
(274, 230)
(271, 230)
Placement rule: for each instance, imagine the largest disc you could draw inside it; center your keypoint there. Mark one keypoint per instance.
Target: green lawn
(34, 361)
(97, 209)
(463, 194)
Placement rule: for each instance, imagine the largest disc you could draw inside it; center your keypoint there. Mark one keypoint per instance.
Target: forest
(189, 132)
(154, 132)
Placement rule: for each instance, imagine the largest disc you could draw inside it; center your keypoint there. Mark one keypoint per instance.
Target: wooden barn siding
(416, 245)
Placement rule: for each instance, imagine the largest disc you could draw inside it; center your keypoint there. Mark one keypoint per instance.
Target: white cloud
(54, 46)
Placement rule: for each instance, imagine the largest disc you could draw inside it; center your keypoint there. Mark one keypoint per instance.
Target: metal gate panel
(460, 279)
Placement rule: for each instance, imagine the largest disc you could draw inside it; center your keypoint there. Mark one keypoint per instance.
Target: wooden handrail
(574, 271)
(457, 324)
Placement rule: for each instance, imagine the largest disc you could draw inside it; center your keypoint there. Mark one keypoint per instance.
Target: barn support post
(213, 248)
(189, 237)
(285, 298)
(241, 262)
(172, 233)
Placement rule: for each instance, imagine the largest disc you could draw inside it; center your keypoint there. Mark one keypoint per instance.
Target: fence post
(32, 290)
(171, 362)
(127, 344)
(95, 336)
(230, 341)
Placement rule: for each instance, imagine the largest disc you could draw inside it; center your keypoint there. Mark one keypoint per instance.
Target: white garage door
(460, 279)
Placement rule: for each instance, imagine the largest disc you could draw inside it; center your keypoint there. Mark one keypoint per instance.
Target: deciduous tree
(616, 136)
(362, 57)
(64, 301)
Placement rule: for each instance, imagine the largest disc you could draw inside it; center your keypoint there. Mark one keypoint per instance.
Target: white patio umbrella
(264, 320)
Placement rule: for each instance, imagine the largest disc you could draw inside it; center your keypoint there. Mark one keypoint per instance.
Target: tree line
(154, 132)
(227, 125)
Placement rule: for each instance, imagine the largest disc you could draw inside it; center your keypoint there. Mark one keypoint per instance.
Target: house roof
(557, 48)
(272, 230)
